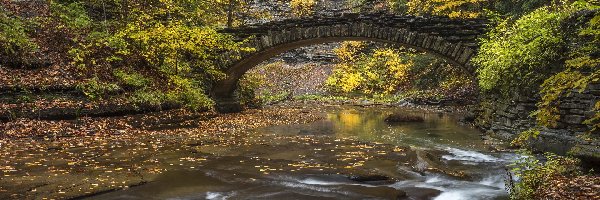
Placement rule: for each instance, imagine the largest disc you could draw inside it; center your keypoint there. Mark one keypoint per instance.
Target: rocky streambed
(336, 152)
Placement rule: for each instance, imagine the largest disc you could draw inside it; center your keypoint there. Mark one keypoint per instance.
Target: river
(351, 154)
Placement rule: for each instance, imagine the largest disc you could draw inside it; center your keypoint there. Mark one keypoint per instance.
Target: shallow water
(434, 159)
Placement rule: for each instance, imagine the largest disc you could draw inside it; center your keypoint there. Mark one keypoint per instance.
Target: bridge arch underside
(456, 45)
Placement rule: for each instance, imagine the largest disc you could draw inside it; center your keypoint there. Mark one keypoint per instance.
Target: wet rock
(420, 193)
(431, 161)
(468, 118)
(404, 103)
(368, 178)
(402, 117)
(589, 154)
(382, 192)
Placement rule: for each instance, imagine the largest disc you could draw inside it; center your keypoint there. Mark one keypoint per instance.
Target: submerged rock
(403, 117)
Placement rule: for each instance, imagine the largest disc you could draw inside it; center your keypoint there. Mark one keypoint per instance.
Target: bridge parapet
(456, 30)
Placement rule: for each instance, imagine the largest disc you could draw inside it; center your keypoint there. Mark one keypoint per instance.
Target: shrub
(94, 89)
(271, 98)
(247, 88)
(14, 40)
(72, 16)
(134, 80)
(529, 175)
(190, 93)
(194, 99)
(145, 97)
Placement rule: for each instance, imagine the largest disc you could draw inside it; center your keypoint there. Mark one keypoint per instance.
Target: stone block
(593, 92)
(346, 30)
(576, 111)
(574, 119)
(285, 37)
(381, 33)
(570, 105)
(386, 33)
(395, 35)
(363, 30)
(594, 87)
(401, 35)
(411, 37)
(444, 46)
(266, 41)
(465, 56)
(457, 49)
(427, 42)
(369, 31)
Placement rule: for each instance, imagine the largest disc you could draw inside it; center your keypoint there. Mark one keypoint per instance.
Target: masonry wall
(506, 118)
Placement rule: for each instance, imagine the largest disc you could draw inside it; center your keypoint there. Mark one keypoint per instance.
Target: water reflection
(367, 124)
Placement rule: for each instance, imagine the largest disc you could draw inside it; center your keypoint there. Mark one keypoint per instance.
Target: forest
(66, 65)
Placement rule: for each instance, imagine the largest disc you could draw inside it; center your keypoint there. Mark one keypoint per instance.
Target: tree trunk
(230, 9)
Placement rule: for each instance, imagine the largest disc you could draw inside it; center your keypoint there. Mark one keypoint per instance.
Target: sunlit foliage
(519, 51)
(303, 7)
(516, 7)
(450, 8)
(465, 8)
(176, 41)
(384, 71)
(380, 71)
(582, 69)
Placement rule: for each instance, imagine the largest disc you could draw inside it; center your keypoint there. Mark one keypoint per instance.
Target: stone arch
(450, 39)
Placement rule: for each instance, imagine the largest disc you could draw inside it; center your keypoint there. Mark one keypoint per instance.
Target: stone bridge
(454, 40)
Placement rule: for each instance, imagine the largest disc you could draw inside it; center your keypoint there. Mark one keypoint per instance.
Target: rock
(401, 117)
(431, 161)
(574, 119)
(468, 118)
(404, 103)
(366, 102)
(573, 106)
(589, 155)
(368, 178)
(577, 111)
(420, 193)
(381, 191)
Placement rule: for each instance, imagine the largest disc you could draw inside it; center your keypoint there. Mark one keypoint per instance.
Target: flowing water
(351, 154)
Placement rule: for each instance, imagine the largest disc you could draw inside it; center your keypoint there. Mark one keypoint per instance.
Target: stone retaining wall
(506, 118)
